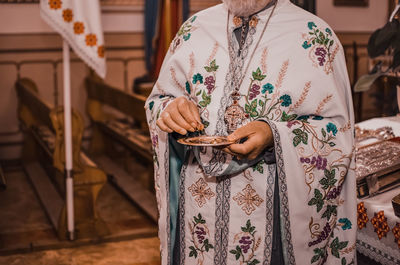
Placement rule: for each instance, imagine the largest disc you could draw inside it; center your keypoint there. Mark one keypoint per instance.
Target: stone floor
(133, 252)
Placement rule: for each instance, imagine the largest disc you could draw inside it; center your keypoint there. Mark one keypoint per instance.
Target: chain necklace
(235, 114)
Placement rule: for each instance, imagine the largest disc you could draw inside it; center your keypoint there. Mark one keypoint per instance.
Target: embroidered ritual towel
(79, 23)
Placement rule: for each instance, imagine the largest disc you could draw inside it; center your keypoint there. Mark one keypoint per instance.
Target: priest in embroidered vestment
(272, 77)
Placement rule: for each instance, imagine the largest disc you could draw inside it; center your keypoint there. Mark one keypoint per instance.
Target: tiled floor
(134, 252)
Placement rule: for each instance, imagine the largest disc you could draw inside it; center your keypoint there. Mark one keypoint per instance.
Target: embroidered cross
(249, 199)
(201, 192)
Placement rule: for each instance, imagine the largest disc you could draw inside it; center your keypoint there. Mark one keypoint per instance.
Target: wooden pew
(134, 137)
(43, 155)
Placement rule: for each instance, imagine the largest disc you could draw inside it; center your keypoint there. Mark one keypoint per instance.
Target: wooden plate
(205, 140)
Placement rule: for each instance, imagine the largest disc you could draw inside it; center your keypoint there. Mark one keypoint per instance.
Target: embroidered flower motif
(210, 83)
(396, 233)
(201, 191)
(322, 236)
(154, 140)
(100, 51)
(197, 78)
(381, 227)
(286, 100)
(345, 223)
(330, 127)
(362, 217)
(318, 118)
(311, 25)
(291, 123)
(254, 91)
(306, 45)
(55, 4)
(319, 162)
(319, 42)
(151, 105)
(79, 28)
(321, 53)
(187, 37)
(187, 87)
(249, 199)
(268, 87)
(329, 31)
(248, 243)
(68, 15)
(91, 40)
(200, 238)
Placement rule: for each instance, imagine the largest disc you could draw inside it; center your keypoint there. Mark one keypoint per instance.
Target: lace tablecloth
(378, 236)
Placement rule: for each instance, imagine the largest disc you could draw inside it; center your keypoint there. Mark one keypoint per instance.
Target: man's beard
(245, 8)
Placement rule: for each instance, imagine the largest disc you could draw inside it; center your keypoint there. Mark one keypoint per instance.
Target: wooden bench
(44, 162)
(133, 136)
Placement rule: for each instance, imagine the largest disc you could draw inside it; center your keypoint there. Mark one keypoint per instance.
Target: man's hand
(180, 116)
(258, 136)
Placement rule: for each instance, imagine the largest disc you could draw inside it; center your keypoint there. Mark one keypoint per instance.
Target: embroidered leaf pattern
(330, 210)
(329, 179)
(200, 234)
(320, 253)
(336, 245)
(317, 200)
(257, 75)
(212, 67)
(259, 167)
(247, 245)
(206, 100)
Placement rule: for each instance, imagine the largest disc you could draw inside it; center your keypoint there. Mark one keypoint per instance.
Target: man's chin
(245, 8)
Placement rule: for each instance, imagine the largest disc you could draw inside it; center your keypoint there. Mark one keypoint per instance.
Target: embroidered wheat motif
(303, 96)
(264, 61)
(322, 104)
(282, 74)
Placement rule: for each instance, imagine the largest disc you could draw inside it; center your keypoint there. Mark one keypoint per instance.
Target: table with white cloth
(378, 235)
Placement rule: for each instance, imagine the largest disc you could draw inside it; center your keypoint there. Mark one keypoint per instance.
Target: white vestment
(297, 82)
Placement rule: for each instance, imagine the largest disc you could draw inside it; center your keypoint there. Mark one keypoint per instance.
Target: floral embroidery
(201, 191)
(68, 15)
(55, 4)
(330, 127)
(100, 51)
(79, 28)
(362, 217)
(396, 233)
(197, 78)
(200, 238)
(319, 44)
(184, 34)
(248, 244)
(259, 167)
(286, 100)
(345, 223)
(91, 40)
(268, 88)
(379, 221)
(249, 199)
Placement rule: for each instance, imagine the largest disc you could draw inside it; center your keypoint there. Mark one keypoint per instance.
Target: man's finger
(166, 117)
(186, 112)
(244, 149)
(195, 112)
(162, 126)
(240, 133)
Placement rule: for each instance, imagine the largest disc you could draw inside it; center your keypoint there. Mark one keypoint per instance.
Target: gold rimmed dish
(204, 140)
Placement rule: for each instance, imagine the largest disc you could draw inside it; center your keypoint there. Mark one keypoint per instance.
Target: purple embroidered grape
(254, 91)
(245, 243)
(321, 53)
(318, 161)
(200, 234)
(322, 236)
(210, 83)
(334, 193)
